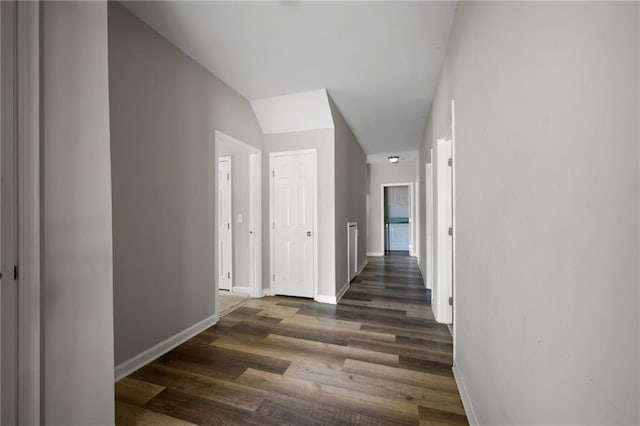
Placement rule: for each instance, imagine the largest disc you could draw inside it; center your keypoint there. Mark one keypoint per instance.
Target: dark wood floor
(375, 358)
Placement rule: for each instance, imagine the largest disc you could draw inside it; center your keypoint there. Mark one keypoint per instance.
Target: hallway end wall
(378, 174)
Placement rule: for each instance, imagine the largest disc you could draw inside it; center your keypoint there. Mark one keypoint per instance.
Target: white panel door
(293, 225)
(443, 286)
(225, 251)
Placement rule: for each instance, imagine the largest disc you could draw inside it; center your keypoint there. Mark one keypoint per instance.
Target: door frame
(429, 241)
(447, 136)
(255, 224)
(453, 221)
(255, 212)
(416, 223)
(226, 159)
(349, 226)
(443, 279)
(314, 199)
(411, 221)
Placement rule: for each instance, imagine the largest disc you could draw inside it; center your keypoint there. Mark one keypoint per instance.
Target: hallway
(375, 358)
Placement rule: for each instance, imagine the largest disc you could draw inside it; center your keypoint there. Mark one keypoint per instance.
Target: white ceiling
(379, 61)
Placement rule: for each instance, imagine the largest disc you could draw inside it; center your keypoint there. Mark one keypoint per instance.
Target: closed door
(443, 286)
(293, 226)
(352, 243)
(225, 253)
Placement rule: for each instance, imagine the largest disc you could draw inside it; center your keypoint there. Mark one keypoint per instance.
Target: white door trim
(415, 247)
(223, 137)
(445, 279)
(411, 237)
(28, 106)
(314, 190)
(349, 226)
(230, 216)
(429, 224)
(255, 223)
(453, 219)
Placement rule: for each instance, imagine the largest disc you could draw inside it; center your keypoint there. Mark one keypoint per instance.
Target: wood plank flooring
(378, 357)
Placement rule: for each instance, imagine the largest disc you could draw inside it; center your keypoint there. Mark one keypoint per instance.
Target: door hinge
(274, 277)
(227, 176)
(451, 301)
(273, 173)
(15, 272)
(228, 274)
(450, 162)
(450, 231)
(274, 226)
(228, 225)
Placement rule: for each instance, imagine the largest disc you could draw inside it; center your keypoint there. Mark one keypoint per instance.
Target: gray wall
(547, 209)
(239, 205)
(423, 159)
(322, 141)
(9, 288)
(164, 111)
(77, 284)
(401, 172)
(350, 194)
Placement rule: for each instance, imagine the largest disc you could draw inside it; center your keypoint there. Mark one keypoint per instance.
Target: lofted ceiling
(379, 61)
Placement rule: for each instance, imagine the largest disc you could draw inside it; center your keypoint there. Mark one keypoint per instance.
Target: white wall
(165, 109)
(547, 205)
(322, 141)
(77, 284)
(296, 112)
(350, 194)
(380, 173)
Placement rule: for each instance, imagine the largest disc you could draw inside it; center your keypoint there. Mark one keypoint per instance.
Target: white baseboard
(321, 298)
(364, 264)
(342, 291)
(422, 275)
(464, 396)
(375, 253)
(154, 352)
(267, 292)
(245, 291)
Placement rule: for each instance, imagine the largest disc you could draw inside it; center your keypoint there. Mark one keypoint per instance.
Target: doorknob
(308, 233)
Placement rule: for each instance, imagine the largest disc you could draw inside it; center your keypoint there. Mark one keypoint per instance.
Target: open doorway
(397, 210)
(238, 222)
